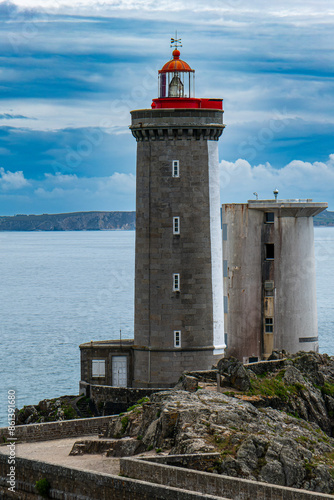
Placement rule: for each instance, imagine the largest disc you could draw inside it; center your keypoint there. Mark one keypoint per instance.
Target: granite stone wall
(213, 484)
(56, 430)
(164, 136)
(74, 484)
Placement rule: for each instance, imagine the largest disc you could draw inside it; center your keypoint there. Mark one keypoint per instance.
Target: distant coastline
(75, 221)
(97, 221)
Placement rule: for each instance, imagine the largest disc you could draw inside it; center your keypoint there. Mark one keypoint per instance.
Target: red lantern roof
(176, 64)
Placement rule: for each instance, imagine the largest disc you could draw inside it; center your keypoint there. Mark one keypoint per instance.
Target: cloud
(12, 180)
(298, 179)
(8, 116)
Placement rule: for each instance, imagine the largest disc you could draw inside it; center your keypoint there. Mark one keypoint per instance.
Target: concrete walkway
(57, 452)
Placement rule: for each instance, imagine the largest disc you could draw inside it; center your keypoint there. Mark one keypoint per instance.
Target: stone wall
(56, 430)
(74, 484)
(199, 461)
(213, 484)
(114, 400)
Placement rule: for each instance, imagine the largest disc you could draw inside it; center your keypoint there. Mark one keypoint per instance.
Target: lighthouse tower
(178, 274)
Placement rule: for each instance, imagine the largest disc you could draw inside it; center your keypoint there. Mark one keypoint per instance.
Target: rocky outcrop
(271, 422)
(76, 221)
(259, 444)
(53, 410)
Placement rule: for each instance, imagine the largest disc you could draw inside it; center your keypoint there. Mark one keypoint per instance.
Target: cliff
(76, 221)
(325, 218)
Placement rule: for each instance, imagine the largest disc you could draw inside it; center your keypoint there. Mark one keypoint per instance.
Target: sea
(61, 289)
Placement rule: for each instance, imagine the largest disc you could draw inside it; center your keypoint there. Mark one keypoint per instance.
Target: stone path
(57, 452)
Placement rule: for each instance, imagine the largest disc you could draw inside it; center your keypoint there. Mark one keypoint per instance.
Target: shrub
(43, 487)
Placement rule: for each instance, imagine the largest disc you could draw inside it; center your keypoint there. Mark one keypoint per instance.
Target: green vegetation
(124, 422)
(138, 405)
(43, 487)
(69, 412)
(328, 389)
(227, 444)
(274, 387)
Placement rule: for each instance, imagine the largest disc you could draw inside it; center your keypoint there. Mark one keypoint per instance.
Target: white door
(119, 371)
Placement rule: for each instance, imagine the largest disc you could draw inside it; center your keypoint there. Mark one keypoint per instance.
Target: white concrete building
(269, 277)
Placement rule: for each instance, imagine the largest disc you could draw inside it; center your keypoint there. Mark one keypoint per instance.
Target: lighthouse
(179, 317)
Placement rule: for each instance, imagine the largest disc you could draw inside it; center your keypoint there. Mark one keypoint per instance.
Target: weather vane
(175, 42)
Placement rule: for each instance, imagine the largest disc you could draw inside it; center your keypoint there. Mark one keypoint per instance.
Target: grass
(328, 389)
(274, 387)
(124, 422)
(139, 404)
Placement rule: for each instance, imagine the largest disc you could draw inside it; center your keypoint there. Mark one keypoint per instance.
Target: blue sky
(71, 72)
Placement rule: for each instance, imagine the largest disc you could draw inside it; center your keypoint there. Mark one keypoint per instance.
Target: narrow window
(176, 282)
(269, 251)
(268, 325)
(269, 217)
(176, 225)
(224, 232)
(98, 368)
(177, 338)
(176, 168)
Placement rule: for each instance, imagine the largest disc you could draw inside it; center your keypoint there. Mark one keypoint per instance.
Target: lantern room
(177, 85)
(176, 78)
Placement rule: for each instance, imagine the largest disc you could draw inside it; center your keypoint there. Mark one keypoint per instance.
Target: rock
(273, 473)
(233, 374)
(187, 383)
(91, 447)
(278, 355)
(309, 364)
(259, 444)
(126, 448)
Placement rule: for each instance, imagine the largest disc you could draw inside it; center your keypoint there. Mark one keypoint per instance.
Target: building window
(269, 251)
(176, 225)
(176, 168)
(224, 232)
(176, 282)
(177, 338)
(268, 325)
(98, 368)
(269, 217)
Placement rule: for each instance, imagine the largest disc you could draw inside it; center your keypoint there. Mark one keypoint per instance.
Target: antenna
(175, 42)
(257, 196)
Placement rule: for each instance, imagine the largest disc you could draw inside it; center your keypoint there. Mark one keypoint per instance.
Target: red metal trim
(186, 103)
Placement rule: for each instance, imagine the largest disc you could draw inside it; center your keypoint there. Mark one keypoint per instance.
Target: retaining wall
(113, 400)
(75, 484)
(213, 484)
(56, 430)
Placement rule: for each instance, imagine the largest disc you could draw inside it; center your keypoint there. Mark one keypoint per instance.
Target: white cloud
(98, 188)
(298, 179)
(12, 180)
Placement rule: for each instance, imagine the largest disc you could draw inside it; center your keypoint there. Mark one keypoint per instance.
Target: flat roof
(107, 343)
